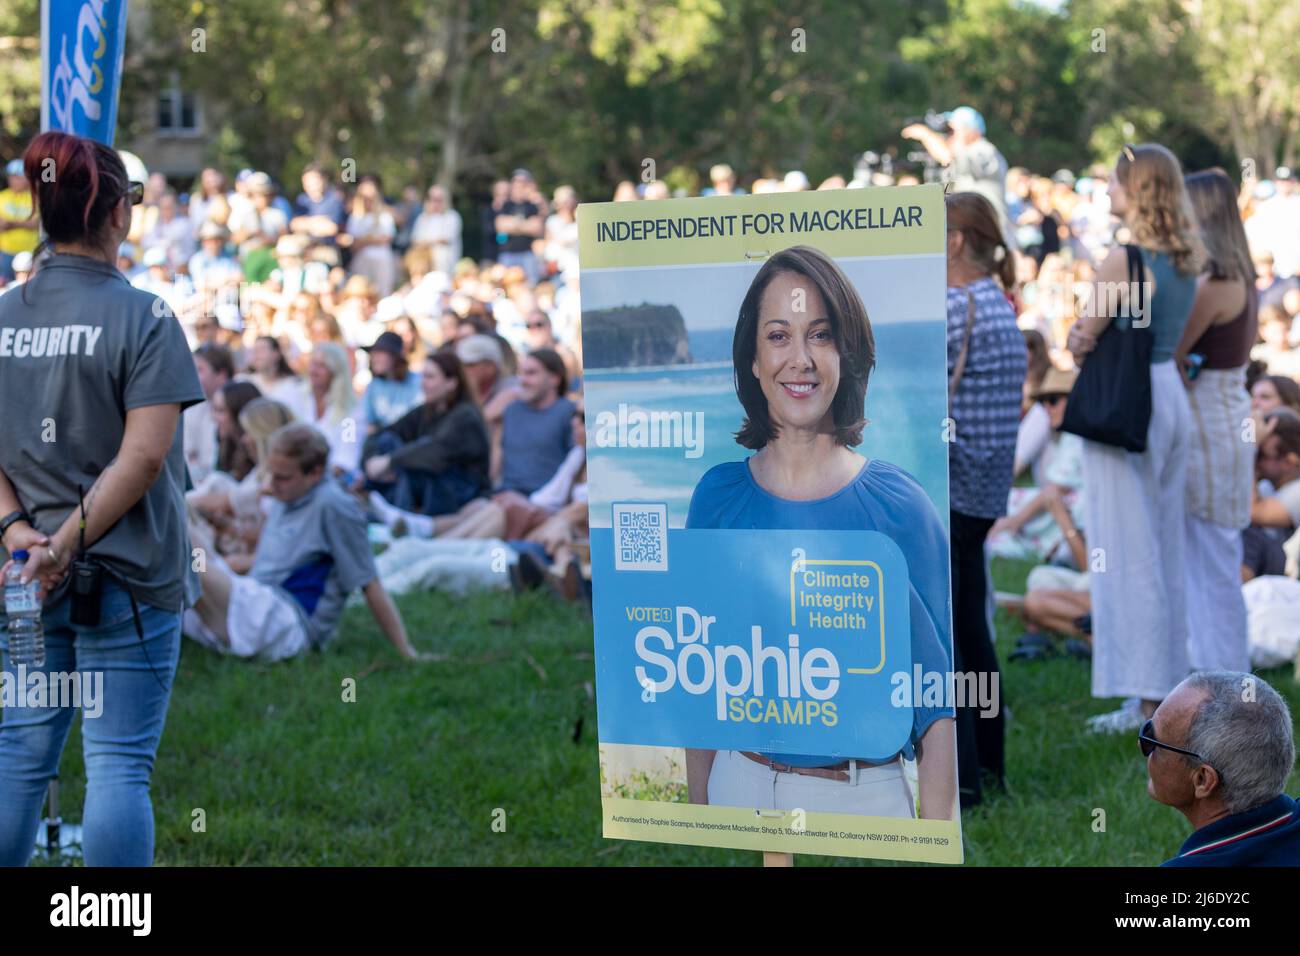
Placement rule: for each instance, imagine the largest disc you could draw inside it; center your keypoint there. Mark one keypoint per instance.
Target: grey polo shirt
(79, 348)
(320, 537)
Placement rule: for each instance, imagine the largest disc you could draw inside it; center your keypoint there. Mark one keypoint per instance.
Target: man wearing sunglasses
(1219, 749)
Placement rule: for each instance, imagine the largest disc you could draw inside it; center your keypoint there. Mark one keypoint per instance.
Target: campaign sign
(82, 45)
(737, 639)
(765, 387)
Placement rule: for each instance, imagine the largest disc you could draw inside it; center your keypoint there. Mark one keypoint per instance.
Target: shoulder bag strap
(960, 366)
(1137, 274)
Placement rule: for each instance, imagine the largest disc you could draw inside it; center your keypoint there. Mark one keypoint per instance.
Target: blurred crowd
(372, 315)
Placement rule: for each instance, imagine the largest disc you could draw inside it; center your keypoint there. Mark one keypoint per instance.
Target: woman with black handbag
(1130, 405)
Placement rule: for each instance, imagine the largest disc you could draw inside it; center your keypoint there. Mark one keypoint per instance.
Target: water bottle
(23, 609)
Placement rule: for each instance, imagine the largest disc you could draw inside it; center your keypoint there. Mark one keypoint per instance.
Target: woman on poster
(803, 352)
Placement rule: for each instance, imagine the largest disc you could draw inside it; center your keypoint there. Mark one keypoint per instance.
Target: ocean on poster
(906, 398)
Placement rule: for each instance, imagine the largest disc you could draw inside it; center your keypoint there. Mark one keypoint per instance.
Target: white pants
(261, 622)
(458, 565)
(737, 781)
(1136, 506)
(1052, 577)
(1216, 611)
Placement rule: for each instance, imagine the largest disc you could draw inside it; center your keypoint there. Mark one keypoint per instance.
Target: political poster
(766, 404)
(82, 44)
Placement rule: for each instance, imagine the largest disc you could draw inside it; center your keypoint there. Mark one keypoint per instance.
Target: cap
(14, 167)
(1064, 177)
(1056, 382)
(157, 256)
(213, 230)
(521, 172)
(796, 181)
(389, 342)
(259, 183)
(22, 262)
(1283, 172)
(20, 555)
(966, 116)
(479, 348)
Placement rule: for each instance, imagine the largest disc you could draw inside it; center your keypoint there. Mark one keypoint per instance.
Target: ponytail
(1006, 266)
(75, 184)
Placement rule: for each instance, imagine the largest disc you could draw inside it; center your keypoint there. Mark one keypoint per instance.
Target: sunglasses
(1148, 744)
(135, 193)
(538, 325)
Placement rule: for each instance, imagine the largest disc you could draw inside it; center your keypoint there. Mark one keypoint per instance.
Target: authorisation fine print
(766, 399)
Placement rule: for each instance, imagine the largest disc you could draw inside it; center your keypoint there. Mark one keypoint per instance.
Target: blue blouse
(884, 498)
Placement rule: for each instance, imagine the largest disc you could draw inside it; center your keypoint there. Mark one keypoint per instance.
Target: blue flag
(82, 42)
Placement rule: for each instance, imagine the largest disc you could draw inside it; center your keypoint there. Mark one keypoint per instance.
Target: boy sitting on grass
(313, 552)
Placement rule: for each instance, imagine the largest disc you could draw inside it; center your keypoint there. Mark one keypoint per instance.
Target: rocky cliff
(634, 335)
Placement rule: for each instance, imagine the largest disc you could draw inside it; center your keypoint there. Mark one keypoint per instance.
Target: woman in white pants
(1221, 466)
(1136, 501)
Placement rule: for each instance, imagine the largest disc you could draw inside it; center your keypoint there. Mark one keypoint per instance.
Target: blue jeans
(119, 744)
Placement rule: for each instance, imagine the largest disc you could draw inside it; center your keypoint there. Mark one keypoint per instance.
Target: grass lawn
(415, 769)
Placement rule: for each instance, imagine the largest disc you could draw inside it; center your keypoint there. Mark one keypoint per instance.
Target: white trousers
(261, 621)
(1216, 611)
(737, 781)
(1136, 505)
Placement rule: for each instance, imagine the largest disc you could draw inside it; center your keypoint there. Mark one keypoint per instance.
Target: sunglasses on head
(1148, 743)
(134, 193)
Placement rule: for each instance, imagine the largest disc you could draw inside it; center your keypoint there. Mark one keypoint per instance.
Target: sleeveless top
(1170, 306)
(1228, 345)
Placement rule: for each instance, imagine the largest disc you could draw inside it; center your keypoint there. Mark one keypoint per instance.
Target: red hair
(75, 184)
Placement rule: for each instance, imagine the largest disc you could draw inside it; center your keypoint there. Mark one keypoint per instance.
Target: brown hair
(218, 358)
(1040, 361)
(1214, 201)
(1286, 429)
(232, 457)
(301, 442)
(452, 367)
(985, 247)
(850, 327)
(551, 361)
(1159, 212)
(1288, 392)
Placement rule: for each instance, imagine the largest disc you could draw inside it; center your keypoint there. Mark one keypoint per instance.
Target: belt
(840, 771)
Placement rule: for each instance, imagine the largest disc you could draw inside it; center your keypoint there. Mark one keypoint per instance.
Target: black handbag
(1111, 399)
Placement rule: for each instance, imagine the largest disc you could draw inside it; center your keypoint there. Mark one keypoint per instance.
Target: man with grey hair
(1219, 750)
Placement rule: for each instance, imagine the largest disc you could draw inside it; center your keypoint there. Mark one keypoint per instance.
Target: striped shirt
(986, 407)
(1268, 835)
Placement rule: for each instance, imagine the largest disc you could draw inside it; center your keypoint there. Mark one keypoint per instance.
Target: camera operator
(93, 377)
(974, 163)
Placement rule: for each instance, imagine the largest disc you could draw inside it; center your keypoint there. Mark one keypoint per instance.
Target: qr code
(640, 537)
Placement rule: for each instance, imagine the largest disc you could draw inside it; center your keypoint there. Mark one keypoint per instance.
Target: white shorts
(1051, 577)
(262, 621)
(737, 781)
